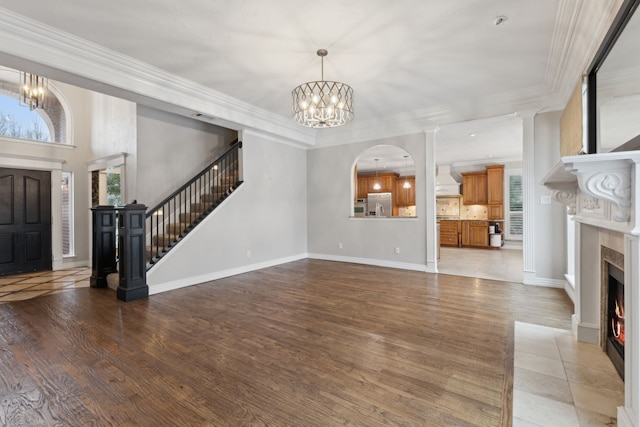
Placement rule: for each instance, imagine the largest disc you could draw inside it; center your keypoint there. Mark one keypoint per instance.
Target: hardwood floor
(310, 343)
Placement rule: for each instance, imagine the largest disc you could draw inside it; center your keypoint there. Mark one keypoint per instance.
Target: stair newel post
(103, 253)
(131, 239)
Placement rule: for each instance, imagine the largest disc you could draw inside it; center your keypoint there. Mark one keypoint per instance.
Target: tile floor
(558, 381)
(497, 264)
(30, 285)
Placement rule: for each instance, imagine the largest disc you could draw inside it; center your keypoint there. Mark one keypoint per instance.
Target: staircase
(176, 216)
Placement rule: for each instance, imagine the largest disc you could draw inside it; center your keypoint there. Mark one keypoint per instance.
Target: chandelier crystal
(322, 104)
(33, 89)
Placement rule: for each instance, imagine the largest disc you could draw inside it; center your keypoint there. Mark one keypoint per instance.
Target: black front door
(25, 221)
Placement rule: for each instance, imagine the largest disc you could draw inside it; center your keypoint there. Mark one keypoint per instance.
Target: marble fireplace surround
(601, 191)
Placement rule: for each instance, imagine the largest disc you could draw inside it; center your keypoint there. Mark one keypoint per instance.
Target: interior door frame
(55, 167)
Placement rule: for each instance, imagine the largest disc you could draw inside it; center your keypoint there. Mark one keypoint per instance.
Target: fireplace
(614, 180)
(613, 314)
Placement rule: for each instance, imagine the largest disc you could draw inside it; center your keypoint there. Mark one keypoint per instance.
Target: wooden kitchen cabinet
(495, 184)
(387, 182)
(363, 187)
(366, 182)
(474, 188)
(449, 231)
(495, 212)
(475, 233)
(405, 196)
(479, 233)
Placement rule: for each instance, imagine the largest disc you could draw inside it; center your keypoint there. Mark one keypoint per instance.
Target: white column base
(625, 418)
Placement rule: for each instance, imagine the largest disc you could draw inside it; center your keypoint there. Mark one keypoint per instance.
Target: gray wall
(550, 220)
(329, 190)
(266, 216)
(171, 149)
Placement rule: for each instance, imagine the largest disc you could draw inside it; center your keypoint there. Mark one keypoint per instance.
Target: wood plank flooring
(309, 343)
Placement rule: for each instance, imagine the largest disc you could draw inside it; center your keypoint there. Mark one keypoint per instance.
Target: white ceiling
(402, 58)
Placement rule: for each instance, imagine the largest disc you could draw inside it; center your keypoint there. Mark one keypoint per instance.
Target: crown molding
(35, 44)
(580, 28)
(578, 32)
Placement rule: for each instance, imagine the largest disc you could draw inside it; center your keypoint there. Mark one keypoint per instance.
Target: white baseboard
(532, 280)
(529, 277)
(73, 264)
(195, 280)
(369, 261)
(588, 333)
(625, 417)
(569, 287)
(432, 267)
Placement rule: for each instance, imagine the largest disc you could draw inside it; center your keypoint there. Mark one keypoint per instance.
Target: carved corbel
(613, 185)
(567, 195)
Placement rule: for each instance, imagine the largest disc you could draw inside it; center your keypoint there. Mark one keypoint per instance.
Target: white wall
(550, 219)
(171, 149)
(266, 216)
(113, 131)
(366, 240)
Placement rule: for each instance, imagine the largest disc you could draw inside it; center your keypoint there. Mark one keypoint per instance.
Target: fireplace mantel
(598, 189)
(601, 191)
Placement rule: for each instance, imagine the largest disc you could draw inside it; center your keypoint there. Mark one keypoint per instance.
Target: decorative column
(528, 198)
(629, 414)
(430, 201)
(103, 260)
(132, 238)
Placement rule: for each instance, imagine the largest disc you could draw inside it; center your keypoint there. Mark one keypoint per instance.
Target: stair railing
(173, 218)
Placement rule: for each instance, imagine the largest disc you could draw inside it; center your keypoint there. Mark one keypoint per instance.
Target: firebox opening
(615, 318)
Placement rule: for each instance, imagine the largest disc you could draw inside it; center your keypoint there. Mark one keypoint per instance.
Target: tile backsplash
(448, 206)
(473, 212)
(453, 207)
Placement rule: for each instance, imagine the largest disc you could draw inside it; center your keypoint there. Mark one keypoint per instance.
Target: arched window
(384, 183)
(20, 122)
(17, 121)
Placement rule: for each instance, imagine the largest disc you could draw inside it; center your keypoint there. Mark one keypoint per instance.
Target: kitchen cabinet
(475, 233)
(449, 232)
(495, 212)
(363, 187)
(366, 182)
(495, 192)
(479, 233)
(405, 196)
(474, 188)
(495, 184)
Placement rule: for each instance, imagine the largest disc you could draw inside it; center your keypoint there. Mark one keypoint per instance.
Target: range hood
(446, 185)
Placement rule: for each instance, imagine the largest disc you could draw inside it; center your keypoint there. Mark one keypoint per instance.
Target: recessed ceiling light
(472, 135)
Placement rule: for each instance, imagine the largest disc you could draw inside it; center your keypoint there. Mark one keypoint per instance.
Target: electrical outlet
(248, 254)
(397, 251)
(340, 245)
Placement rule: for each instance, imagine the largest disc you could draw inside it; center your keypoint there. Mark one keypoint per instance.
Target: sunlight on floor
(30, 285)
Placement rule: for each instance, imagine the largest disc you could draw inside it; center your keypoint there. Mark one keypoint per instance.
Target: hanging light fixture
(322, 104)
(33, 89)
(376, 185)
(406, 184)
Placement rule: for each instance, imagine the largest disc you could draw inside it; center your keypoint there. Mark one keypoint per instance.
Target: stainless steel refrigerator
(379, 204)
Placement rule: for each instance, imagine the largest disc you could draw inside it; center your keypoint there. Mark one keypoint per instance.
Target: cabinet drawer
(448, 230)
(449, 240)
(479, 223)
